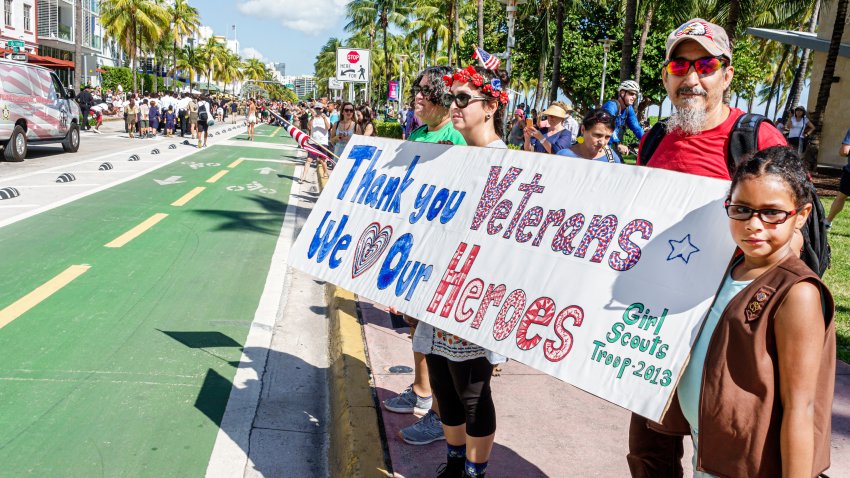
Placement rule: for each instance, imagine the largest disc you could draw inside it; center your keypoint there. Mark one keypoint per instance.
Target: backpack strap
(743, 139)
(650, 142)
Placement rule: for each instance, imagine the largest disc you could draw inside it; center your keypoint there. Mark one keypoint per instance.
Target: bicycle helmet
(629, 85)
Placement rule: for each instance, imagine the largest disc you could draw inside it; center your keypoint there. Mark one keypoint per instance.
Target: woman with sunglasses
(344, 128)
(477, 103)
(460, 371)
(596, 130)
(428, 90)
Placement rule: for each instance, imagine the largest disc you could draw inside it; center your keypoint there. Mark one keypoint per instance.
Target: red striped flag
(491, 62)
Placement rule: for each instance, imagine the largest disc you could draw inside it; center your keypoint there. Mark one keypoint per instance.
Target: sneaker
(427, 430)
(407, 402)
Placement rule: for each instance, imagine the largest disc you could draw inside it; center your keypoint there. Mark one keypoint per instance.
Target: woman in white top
(798, 128)
(459, 370)
(320, 127)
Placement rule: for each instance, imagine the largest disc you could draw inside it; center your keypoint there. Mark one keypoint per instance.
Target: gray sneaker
(427, 430)
(407, 402)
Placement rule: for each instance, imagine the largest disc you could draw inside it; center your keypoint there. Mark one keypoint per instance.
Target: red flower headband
(469, 75)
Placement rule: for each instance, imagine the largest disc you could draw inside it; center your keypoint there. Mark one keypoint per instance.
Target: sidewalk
(546, 428)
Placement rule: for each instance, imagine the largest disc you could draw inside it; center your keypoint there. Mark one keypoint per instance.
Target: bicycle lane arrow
(169, 181)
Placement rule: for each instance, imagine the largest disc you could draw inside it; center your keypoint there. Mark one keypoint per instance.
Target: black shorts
(202, 126)
(844, 186)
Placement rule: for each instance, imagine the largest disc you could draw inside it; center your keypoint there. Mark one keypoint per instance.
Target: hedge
(388, 129)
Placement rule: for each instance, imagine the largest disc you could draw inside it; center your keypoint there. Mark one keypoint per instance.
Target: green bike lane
(126, 369)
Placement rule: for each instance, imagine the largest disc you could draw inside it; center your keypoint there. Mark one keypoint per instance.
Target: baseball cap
(712, 37)
(519, 112)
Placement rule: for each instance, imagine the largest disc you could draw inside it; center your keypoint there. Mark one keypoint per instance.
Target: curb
(356, 448)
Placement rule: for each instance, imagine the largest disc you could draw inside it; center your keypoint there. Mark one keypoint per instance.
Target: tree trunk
(628, 40)
(456, 30)
(133, 59)
(79, 65)
(776, 78)
(387, 72)
(481, 23)
(155, 74)
(802, 67)
(644, 33)
(556, 57)
(544, 56)
(732, 21)
(451, 44)
(174, 65)
(817, 115)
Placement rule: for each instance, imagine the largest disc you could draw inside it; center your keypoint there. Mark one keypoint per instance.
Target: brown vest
(740, 411)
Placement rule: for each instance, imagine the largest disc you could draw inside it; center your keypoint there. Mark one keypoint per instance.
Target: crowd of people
(743, 399)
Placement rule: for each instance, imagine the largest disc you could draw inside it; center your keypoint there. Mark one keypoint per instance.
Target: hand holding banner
(598, 274)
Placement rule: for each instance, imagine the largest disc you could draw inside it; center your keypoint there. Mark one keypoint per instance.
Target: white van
(35, 108)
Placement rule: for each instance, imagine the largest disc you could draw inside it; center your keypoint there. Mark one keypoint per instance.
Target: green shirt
(446, 133)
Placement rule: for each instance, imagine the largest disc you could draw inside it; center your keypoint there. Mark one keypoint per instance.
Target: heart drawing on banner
(371, 245)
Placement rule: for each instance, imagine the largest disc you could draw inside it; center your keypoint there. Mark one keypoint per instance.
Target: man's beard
(688, 119)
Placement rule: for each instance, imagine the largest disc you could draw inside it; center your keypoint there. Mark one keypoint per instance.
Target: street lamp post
(606, 47)
(401, 59)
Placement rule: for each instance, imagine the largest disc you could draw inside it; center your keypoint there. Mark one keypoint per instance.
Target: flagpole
(305, 134)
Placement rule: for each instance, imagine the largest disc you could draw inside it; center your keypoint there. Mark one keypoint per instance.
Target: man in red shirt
(697, 71)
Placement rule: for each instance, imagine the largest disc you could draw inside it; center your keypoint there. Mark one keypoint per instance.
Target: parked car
(35, 108)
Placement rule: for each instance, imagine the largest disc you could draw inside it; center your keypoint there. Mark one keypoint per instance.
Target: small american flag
(485, 59)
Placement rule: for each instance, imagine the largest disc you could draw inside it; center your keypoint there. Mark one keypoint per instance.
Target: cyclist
(622, 110)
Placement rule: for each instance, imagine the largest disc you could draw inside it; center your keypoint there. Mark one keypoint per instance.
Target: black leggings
(463, 393)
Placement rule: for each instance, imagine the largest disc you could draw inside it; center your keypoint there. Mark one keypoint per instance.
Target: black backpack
(743, 140)
(202, 112)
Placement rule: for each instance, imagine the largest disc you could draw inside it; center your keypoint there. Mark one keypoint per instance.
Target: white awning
(802, 39)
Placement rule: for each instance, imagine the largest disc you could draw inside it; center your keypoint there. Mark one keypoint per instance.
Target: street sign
(334, 84)
(16, 45)
(16, 56)
(352, 65)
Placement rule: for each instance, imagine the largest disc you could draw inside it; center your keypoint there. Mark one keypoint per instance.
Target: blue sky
(288, 31)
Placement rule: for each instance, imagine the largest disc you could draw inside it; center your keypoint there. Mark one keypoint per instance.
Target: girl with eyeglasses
(596, 131)
(756, 395)
(344, 128)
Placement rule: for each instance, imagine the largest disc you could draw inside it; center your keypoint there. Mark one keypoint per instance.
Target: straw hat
(556, 111)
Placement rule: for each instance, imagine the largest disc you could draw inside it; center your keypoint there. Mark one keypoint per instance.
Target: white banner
(599, 274)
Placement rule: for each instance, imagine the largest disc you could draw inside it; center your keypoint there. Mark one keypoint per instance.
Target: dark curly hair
(435, 83)
(780, 161)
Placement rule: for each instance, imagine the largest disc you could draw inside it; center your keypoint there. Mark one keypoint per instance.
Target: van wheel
(16, 148)
(72, 140)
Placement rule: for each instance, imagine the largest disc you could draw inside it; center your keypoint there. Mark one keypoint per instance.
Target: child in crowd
(756, 395)
(170, 119)
(154, 117)
(144, 118)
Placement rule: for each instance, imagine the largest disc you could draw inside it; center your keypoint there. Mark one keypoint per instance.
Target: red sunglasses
(703, 66)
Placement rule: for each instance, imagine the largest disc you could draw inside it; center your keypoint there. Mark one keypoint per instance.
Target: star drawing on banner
(682, 249)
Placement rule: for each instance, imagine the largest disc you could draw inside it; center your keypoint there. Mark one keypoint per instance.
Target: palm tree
(628, 40)
(185, 21)
(826, 82)
(559, 38)
(132, 23)
(230, 69)
(212, 52)
(189, 61)
(802, 67)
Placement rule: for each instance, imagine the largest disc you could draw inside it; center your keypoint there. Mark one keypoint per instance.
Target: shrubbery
(119, 75)
(388, 129)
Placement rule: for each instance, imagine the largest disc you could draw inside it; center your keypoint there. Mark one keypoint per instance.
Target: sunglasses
(461, 99)
(348, 110)
(426, 91)
(767, 216)
(703, 66)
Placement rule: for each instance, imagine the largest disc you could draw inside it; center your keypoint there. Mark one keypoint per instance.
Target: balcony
(64, 32)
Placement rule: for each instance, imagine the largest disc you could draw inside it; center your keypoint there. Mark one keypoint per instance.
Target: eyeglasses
(461, 99)
(767, 216)
(703, 66)
(426, 91)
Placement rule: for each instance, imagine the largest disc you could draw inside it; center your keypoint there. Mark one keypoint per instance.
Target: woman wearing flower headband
(477, 104)
(460, 371)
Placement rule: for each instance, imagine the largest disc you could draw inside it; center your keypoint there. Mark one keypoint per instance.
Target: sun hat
(556, 111)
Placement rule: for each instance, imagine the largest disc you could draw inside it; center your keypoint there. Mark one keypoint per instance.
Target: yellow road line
(137, 231)
(27, 302)
(235, 163)
(217, 176)
(274, 133)
(188, 196)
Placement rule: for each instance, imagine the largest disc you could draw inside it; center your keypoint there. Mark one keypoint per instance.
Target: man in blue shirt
(622, 110)
(844, 186)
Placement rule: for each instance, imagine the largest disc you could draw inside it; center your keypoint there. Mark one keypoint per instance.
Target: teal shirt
(446, 133)
(691, 383)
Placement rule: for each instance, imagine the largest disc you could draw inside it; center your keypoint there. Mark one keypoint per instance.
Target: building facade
(18, 24)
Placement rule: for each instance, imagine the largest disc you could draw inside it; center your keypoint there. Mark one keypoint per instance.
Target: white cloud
(311, 17)
(249, 52)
